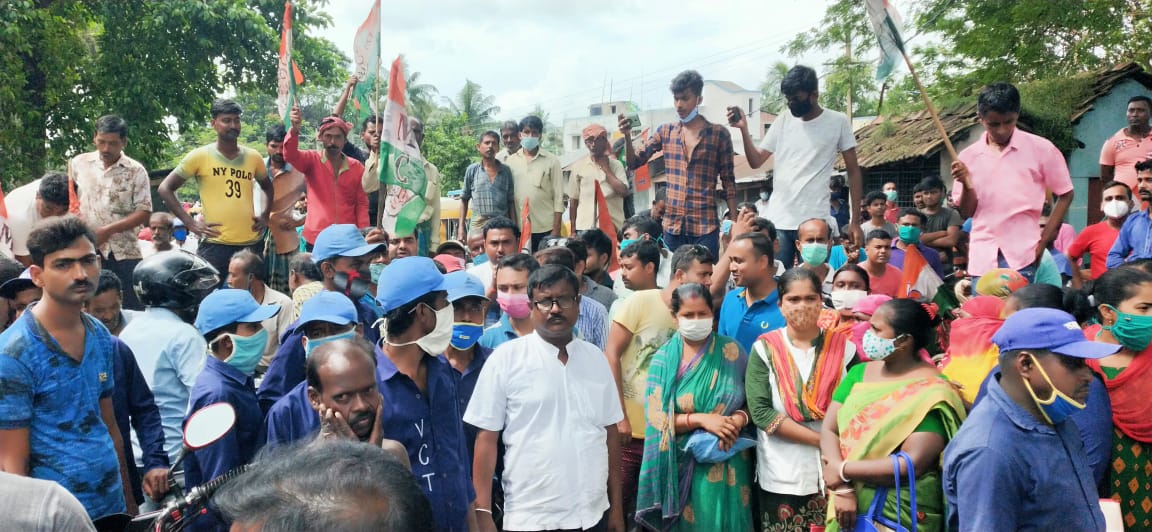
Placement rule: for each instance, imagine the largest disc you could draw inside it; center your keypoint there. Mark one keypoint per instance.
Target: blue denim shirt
(746, 323)
(466, 384)
(136, 409)
(57, 399)
(1134, 242)
(1007, 470)
(428, 424)
(220, 382)
(1094, 424)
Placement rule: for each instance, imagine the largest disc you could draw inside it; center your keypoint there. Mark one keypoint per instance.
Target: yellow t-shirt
(652, 324)
(226, 188)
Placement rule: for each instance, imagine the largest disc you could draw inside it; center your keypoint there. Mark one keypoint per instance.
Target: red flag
(525, 229)
(604, 223)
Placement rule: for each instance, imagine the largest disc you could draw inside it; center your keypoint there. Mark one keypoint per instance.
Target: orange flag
(525, 229)
(604, 223)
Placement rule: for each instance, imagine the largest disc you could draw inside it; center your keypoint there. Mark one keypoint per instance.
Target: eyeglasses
(565, 303)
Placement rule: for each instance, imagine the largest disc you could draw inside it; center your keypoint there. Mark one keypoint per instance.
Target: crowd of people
(821, 357)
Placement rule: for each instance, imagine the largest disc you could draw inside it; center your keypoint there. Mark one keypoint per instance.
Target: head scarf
(1001, 282)
(330, 122)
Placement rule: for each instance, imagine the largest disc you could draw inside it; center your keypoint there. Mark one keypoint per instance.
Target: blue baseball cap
(408, 278)
(1051, 330)
(462, 284)
(341, 240)
(331, 307)
(230, 305)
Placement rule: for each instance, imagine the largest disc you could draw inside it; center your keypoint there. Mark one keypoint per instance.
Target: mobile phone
(635, 119)
(726, 227)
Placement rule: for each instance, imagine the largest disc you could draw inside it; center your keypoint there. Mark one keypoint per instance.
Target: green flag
(402, 177)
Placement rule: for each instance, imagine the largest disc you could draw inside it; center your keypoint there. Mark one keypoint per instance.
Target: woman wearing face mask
(695, 388)
(1124, 302)
(791, 375)
(849, 286)
(896, 403)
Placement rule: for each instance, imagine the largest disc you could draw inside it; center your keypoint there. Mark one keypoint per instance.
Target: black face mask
(799, 109)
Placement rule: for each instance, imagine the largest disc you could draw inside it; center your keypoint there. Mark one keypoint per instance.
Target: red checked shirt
(691, 203)
(332, 199)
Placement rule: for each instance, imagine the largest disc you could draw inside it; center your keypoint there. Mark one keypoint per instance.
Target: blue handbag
(875, 515)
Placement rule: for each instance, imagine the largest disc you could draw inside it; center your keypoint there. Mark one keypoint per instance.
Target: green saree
(676, 493)
(874, 421)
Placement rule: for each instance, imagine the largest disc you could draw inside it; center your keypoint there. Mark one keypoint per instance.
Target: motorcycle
(204, 427)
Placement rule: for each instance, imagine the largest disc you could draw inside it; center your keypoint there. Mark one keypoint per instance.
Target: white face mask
(695, 330)
(846, 299)
(436, 342)
(1116, 208)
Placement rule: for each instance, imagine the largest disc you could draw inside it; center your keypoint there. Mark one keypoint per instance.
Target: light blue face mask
(310, 344)
(529, 143)
(628, 242)
(247, 350)
(479, 259)
(376, 269)
(691, 115)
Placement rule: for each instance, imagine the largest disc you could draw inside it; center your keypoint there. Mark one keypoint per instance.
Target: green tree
(472, 103)
(771, 100)
(66, 62)
(845, 26)
(450, 148)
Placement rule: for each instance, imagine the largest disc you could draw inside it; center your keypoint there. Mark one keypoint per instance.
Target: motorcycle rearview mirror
(205, 427)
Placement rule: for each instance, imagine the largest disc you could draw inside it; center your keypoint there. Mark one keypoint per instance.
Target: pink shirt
(1123, 152)
(1010, 187)
(887, 284)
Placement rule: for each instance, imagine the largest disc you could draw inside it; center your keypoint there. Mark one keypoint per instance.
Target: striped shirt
(691, 202)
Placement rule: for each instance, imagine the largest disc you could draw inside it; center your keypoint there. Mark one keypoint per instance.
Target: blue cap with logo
(462, 284)
(341, 240)
(331, 307)
(230, 305)
(1050, 330)
(408, 279)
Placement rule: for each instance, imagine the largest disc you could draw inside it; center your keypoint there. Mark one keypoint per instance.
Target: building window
(613, 109)
(575, 142)
(749, 105)
(595, 110)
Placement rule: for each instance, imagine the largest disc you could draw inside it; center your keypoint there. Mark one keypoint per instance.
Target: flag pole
(379, 60)
(931, 109)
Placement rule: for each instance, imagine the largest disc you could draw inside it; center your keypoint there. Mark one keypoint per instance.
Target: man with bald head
(813, 244)
(599, 169)
(160, 223)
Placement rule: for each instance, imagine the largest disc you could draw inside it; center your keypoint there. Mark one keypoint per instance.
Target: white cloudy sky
(564, 55)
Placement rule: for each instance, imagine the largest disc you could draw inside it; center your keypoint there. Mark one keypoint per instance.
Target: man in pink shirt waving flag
(401, 165)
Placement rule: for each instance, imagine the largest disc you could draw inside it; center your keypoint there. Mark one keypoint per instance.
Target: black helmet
(174, 279)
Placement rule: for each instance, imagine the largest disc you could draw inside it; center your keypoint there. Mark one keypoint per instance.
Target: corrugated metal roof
(1106, 80)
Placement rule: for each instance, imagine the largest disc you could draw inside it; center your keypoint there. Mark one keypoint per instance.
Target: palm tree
(420, 96)
(772, 101)
(472, 102)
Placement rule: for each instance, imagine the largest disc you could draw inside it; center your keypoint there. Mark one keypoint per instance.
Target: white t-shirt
(22, 215)
(483, 272)
(553, 416)
(805, 153)
(783, 466)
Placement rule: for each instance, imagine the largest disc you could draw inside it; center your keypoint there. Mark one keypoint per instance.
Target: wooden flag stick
(931, 109)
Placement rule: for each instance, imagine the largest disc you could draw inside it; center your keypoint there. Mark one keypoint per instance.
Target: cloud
(567, 55)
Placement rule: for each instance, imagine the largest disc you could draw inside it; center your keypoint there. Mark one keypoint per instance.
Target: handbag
(705, 447)
(875, 515)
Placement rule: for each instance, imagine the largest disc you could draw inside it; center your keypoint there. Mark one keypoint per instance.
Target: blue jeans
(787, 253)
(710, 241)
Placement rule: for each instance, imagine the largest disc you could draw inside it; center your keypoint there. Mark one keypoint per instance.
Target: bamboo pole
(931, 109)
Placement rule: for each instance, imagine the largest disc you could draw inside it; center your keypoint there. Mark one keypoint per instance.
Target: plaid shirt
(488, 198)
(691, 203)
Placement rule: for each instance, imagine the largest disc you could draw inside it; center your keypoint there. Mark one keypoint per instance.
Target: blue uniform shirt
(292, 418)
(429, 426)
(1007, 470)
(220, 382)
(136, 409)
(745, 324)
(466, 384)
(286, 369)
(57, 399)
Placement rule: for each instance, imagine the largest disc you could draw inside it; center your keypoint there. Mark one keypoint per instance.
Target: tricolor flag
(402, 176)
(888, 26)
(918, 280)
(604, 223)
(287, 73)
(366, 48)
